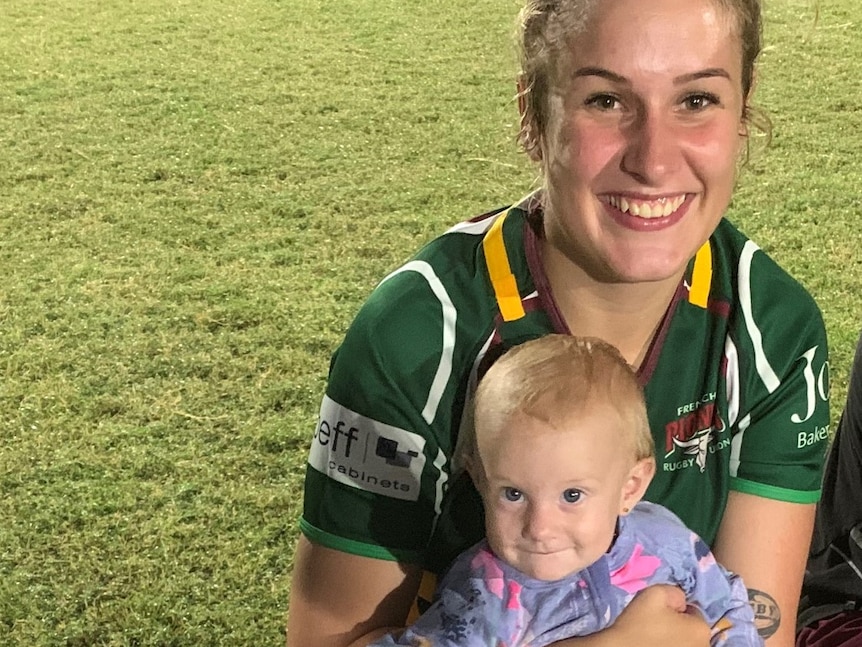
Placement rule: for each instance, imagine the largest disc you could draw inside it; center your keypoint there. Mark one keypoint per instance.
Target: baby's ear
(636, 484)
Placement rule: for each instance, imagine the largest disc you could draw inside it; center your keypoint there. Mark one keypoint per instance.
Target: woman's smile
(648, 208)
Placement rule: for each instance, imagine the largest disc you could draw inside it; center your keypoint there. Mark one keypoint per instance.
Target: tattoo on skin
(767, 614)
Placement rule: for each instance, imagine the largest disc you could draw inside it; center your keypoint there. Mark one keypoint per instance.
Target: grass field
(195, 198)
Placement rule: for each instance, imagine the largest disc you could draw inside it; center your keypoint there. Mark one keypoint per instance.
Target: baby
(561, 454)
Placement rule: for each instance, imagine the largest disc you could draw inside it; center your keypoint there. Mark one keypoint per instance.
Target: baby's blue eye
(572, 495)
(512, 494)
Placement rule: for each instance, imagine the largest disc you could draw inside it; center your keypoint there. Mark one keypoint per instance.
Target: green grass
(196, 197)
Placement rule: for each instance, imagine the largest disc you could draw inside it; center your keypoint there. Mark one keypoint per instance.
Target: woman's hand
(657, 617)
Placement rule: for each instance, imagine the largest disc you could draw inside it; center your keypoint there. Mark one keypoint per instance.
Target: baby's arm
(475, 606)
(451, 621)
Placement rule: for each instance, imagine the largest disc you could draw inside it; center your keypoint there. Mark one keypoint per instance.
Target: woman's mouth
(648, 209)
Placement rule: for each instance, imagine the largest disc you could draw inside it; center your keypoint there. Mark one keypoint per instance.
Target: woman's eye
(512, 494)
(572, 495)
(603, 102)
(697, 102)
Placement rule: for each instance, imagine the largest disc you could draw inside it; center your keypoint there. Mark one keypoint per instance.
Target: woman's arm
(656, 617)
(343, 600)
(766, 542)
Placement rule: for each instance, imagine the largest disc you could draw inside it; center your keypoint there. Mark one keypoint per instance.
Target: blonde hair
(547, 28)
(553, 378)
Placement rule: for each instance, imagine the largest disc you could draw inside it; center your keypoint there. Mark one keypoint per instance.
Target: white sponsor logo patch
(367, 454)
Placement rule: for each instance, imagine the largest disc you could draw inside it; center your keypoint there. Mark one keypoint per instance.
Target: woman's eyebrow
(709, 72)
(706, 73)
(599, 71)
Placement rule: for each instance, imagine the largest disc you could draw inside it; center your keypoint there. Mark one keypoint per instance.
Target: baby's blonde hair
(553, 378)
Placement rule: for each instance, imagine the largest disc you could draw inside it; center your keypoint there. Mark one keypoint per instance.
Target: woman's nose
(652, 148)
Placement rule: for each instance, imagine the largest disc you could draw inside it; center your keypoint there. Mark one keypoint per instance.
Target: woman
(637, 112)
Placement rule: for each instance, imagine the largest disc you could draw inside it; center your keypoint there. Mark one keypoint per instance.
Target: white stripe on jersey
(450, 315)
(479, 228)
(732, 358)
(439, 464)
(465, 428)
(736, 445)
(767, 375)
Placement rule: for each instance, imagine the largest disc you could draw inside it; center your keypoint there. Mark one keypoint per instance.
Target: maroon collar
(533, 235)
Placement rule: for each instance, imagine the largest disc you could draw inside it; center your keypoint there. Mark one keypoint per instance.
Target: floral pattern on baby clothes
(634, 575)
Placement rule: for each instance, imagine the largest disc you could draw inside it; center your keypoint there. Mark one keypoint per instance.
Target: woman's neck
(626, 315)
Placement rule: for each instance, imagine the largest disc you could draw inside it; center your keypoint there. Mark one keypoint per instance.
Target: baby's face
(552, 494)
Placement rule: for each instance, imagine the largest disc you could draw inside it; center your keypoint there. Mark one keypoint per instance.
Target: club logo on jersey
(695, 434)
(367, 454)
(697, 446)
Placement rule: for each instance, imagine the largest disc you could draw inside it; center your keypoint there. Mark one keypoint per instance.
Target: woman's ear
(636, 484)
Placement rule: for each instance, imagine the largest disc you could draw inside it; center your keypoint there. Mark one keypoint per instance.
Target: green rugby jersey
(736, 384)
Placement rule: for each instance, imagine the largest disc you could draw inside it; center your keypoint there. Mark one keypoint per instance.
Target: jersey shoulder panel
(381, 455)
(747, 275)
(416, 324)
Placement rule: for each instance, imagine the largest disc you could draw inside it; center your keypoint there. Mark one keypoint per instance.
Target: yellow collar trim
(502, 279)
(701, 277)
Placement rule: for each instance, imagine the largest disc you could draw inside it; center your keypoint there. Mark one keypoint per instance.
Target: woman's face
(643, 137)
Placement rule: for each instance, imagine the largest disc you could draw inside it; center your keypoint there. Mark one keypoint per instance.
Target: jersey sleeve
(378, 460)
(778, 385)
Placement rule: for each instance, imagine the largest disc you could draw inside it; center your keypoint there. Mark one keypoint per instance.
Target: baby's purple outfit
(484, 602)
